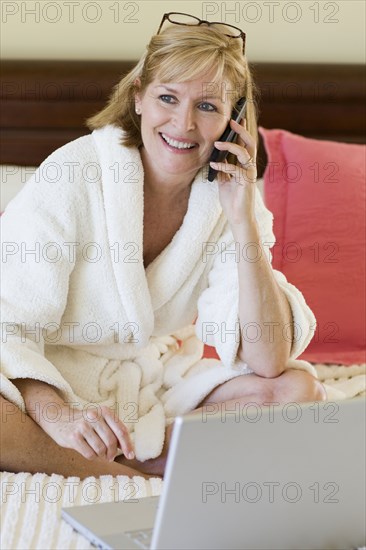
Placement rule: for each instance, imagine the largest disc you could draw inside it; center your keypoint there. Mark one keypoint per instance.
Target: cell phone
(228, 135)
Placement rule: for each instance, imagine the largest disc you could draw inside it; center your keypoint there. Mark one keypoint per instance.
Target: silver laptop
(278, 477)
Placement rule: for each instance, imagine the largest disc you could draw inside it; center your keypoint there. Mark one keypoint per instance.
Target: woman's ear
(137, 83)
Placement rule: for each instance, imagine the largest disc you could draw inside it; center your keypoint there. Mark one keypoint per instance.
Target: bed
(43, 106)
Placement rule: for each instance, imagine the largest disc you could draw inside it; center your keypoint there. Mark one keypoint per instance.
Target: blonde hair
(178, 54)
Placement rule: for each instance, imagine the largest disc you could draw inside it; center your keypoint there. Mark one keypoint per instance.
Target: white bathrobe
(81, 312)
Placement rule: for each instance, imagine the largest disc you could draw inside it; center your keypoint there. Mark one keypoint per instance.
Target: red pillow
(316, 192)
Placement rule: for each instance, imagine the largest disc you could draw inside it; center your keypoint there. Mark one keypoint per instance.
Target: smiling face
(179, 124)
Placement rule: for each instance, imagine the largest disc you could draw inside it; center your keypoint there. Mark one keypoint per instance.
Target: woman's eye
(208, 107)
(167, 98)
(204, 106)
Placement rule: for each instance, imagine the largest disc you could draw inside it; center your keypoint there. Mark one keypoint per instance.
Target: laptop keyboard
(141, 537)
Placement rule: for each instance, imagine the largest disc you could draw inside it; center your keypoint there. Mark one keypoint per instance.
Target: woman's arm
(264, 311)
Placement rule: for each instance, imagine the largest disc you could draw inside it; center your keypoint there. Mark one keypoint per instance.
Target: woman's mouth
(177, 145)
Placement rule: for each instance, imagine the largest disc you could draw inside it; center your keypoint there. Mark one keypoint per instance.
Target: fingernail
(131, 455)
(213, 164)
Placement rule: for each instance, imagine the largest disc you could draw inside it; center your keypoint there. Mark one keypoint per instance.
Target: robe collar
(144, 291)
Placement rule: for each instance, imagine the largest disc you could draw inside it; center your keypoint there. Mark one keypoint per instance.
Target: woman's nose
(184, 119)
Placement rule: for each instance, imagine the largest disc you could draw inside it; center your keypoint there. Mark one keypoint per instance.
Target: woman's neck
(165, 188)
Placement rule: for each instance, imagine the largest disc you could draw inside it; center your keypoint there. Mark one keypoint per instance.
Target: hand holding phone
(228, 136)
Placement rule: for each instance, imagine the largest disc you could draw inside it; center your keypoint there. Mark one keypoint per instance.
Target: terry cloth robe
(81, 312)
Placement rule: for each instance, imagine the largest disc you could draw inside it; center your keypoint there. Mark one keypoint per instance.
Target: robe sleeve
(36, 265)
(218, 322)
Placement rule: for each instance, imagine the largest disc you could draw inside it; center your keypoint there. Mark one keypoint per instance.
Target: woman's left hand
(237, 182)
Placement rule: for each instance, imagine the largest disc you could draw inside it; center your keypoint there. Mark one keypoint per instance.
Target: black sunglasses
(177, 18)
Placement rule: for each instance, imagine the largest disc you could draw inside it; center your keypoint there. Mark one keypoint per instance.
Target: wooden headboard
(44, 104)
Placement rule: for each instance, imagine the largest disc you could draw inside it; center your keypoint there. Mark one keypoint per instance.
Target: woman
(120, 248)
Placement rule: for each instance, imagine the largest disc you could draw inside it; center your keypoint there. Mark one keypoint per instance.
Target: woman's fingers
(230, 169)
(94, 433)
(244, 136)
(109, 443)
(97, 448)
(243, 155)
(240, 175)
(112, 434)
(120, 431)
(245, 151)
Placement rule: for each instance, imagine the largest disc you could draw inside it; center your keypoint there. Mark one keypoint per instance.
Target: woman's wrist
(42, 401)
(245, 229)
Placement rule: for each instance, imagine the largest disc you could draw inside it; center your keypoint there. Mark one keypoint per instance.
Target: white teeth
(177, 144)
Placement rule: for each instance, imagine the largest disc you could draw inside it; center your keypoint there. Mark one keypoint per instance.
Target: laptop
(252, 477)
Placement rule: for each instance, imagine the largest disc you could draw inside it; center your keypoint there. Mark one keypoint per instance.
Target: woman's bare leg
(291, 386)
(25, 447)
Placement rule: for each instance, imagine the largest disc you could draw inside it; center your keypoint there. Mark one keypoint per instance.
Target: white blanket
(80, 311)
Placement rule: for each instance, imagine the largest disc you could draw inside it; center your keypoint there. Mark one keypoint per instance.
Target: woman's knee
(298, 386)
(246, 386)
